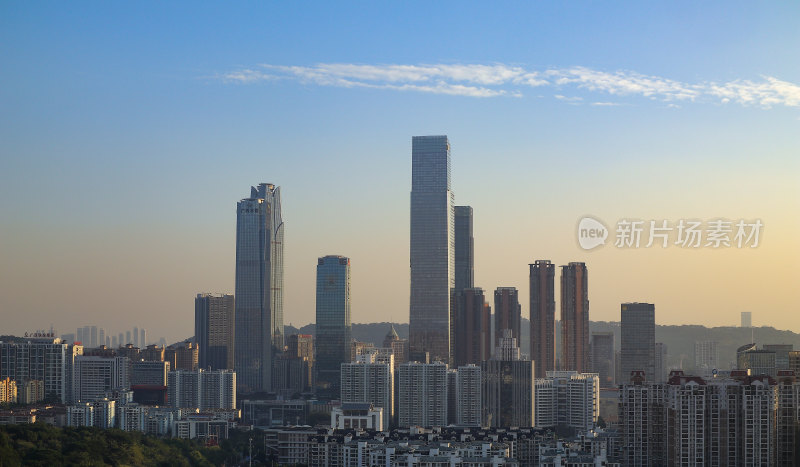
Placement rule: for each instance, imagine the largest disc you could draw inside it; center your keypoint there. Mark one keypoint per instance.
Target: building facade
(200, 389)
(507, 387)
(543, 316)
(638, 339)
(507, 313)
(333, 328)
(602, 358)
(575, 317)
(464, 248)
(214, 330)
(422, 394)
(432, 252)
(472, 340)
(258, 333)
(372, 381)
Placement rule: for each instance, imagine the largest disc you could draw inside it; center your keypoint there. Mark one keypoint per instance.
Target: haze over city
(127, 137)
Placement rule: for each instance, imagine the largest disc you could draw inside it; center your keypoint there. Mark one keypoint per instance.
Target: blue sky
(129, 130)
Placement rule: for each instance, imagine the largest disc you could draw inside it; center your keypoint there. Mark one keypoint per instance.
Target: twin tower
(442, 262)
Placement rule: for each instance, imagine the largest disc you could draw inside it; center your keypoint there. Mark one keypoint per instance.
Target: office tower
(135, 336)
(142, 338)
(121, 342)
(471, 327)
(567, 398)
(756, 361)
(706, 356)
(399, 346)
(747, 319)
(128, 338)
(422, 394)
(468, 395)
(93, 336)
(432, 248)
(660, 362)
(333, 331)
(258, 319)
(638, 339)
(101, 337)
(602, 358)
(543, 316)
(42, 359)
(464, 248)
(575, 317)
(370, 379)
(781, 354)
(79, 336)
(108, 342)
(114, 344)
(96, 376)
(508, 387)
(213, 330)
(214, 389)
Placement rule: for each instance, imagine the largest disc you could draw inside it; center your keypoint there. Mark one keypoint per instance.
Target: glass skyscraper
(464, 249)
(638, 340)
(259, 287)
(333, 337)
(432, 247)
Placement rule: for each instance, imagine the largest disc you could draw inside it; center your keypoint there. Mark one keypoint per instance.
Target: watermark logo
(685, 233)
(591, 233)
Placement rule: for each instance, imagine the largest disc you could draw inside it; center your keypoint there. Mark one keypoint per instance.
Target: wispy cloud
(506, 80)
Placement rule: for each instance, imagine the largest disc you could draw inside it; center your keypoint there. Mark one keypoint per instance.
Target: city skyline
(147, 128)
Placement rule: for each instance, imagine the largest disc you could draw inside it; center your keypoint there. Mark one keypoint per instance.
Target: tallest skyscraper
(259, 287)
(432, 247)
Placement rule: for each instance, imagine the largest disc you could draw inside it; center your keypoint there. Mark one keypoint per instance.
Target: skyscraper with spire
(259, 287)
(432, 257)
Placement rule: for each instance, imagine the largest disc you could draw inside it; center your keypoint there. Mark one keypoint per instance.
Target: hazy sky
(128, 132)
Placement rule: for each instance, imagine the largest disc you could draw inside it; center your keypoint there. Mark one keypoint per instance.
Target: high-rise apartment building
(44, 359)
(215, 389)
(464, 248)
(333, 331)
(567, 398)
(638, 339)
(182, 356)
(508, 386)
(214, 330)
(258, 326)
(370, 379)
(302, 346)
(575, 317)
(422, 394)
(472, 341)
(96, 376)
(507, 313)
(747, 319)
(543, 316)
(602, 358)
(468, 393)
(432, 248)
(706, 356)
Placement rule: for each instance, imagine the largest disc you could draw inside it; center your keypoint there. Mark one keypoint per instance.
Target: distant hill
(679, 340)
